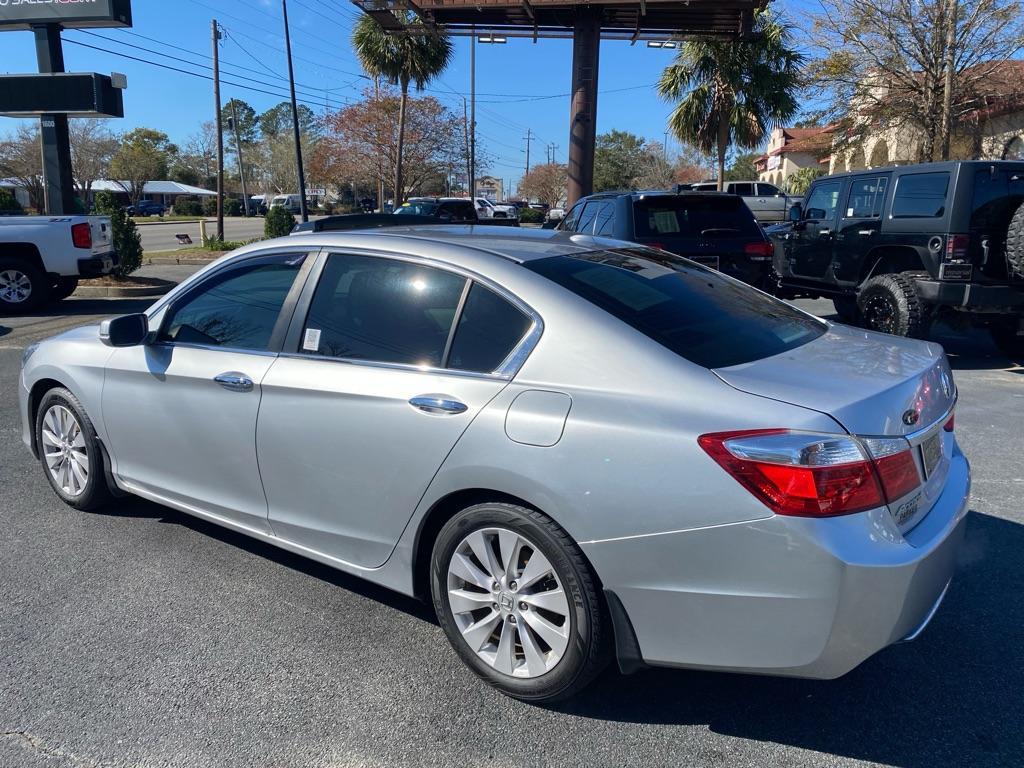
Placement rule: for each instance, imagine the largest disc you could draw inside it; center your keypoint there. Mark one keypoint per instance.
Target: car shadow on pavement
(952, 697)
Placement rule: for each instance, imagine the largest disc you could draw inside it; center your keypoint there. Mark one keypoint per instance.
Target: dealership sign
(72, 14)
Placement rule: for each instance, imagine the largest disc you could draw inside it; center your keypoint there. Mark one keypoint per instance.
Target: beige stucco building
(789, 150)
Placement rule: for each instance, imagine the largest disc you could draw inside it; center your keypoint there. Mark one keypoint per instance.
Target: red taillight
(759, 251)
(81, 235)
(956, 247)
(814, 475)
(949, 425)
(659, 246)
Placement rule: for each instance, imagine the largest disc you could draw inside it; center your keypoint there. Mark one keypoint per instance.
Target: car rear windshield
(692, 216)
(694, 311)
(417, 209)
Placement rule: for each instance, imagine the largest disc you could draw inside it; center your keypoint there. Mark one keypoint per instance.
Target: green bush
(209, 206)
(127, 243)
(232, 207)
(224, 245)
(531, 216)
(9, 205)
(187, 206)
(278, 222)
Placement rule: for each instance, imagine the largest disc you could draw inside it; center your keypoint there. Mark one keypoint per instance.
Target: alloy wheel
(508, 602)
(64, 450)
(15, 286)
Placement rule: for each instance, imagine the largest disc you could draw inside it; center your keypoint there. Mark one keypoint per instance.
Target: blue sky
(510, 77)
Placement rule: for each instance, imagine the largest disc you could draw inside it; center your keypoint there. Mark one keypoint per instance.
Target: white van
(291, 203)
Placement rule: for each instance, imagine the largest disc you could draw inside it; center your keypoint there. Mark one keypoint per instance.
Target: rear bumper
(976, 296)
(95, 266)
(785, 596)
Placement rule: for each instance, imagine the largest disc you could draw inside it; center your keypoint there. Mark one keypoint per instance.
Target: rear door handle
(865, 232)
(236, 382)
(437, 404)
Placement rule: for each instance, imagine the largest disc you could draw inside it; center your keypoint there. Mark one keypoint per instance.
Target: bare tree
(546, 183)
(886, 64)
(197, 161)
(21, 159)
(93, 145)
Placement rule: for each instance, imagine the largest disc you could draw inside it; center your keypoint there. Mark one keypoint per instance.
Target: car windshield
(692, 215)
(417, 208)
(696, 312)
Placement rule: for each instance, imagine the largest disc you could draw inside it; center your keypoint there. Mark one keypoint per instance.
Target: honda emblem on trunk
(910, 417)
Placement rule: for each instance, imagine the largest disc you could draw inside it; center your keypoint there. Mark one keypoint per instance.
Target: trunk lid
(874, 385)
(102, 235)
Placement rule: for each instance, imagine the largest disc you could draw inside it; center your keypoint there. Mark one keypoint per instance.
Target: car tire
(1015, 243)
(23, 286)
(70, 452)
(572, 645)
(1008, 338)
(63, 288)
(847, 309)
(890, 304)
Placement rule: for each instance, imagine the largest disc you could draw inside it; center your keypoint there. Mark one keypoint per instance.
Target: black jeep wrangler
(896, 247)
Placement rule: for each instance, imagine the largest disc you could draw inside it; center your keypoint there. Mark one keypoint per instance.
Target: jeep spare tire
(890, 304)
(1015, 243)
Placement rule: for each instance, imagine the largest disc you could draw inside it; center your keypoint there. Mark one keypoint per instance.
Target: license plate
(955, 271)
(931, 454)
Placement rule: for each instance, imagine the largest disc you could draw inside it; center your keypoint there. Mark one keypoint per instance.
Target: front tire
(890, 304)
(518, 602)
(23, 286)
(69, 451)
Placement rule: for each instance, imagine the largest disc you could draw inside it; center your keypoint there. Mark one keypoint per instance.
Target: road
(142, 637)
(163, 237)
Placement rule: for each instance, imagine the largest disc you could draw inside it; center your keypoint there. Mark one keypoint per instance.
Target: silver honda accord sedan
(578, 448)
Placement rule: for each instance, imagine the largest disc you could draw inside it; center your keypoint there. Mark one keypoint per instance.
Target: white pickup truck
(42, 257)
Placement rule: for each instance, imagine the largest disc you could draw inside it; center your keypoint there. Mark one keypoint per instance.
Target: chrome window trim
(508, 368)
(211, 348)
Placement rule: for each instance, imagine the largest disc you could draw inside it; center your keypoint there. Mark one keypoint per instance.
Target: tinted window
(383, 310)
(585, 223)
(822, 203)
(568, 223)
(235, 308)
(742, 189)
(690, 216)
(768, 190)
(604, 224)
(691, 310)
(488, 331)
(417, 209)
(866, 198)
(920, 196)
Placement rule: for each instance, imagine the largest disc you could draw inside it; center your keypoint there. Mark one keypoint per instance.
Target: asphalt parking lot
(142, 637)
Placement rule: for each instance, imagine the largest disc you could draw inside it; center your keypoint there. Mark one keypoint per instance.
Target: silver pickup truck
(768, 203)
(42, 257)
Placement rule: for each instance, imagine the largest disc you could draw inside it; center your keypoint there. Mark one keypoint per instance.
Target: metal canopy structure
(586, 23)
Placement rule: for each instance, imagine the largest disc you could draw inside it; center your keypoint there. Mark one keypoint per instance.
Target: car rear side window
(920, 196)
(691, 310)
(604, 224)
(236, 307)
(488, 330)
(866, 198)
(691, 215)
(585, 223)
(382, 310)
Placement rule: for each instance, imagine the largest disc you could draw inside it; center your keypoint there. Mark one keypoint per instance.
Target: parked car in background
(711, 228)
(416, 211)
(767, 202)
(257, 206)
(146, 208)
(43, 257)
(291, 203)
(552, 216)
(589, 449)
(895, 248)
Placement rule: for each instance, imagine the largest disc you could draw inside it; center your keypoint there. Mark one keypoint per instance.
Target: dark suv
(896, 247)
(711, 228)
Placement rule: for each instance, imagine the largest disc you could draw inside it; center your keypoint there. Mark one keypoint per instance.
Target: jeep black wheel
(1015, 243)
(890, 304)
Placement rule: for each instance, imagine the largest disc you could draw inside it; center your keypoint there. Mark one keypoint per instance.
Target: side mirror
(796, 212)
(124, 331)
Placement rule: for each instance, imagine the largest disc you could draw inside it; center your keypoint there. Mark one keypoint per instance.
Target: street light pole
(238, 149)
(220, 132)
(472, 118)
(295, 115)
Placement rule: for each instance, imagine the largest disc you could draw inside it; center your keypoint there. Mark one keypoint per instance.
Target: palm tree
(732, 92)
(401, 60)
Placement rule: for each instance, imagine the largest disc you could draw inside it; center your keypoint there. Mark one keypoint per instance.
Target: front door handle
(236, 382)
(437, 404)
(865, 231)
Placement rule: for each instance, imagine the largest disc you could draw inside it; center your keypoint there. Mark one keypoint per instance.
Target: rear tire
(63, 288)
(543, 640)
(69, 451)
(890, 304)
(847, 309)
(23, 286)
(1015, 243)
(1009, 338)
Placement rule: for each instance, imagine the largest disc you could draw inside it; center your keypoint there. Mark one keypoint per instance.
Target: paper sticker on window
(311, 343)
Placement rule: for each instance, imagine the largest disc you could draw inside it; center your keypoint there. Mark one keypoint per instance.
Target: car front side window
(821, 203)
(235, 308)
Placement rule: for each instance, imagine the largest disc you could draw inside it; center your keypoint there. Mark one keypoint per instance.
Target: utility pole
(238, 148)
(947, 91)
(465, 131)
(529, 139)
(220, 132)
(295, 115)
(472, 117)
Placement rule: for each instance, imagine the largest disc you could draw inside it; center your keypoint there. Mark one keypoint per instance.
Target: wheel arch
(35, 397)
(891, 259)
(29, 252)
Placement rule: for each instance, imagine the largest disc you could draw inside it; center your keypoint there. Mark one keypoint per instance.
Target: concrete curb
(159, 288)
(188, 261)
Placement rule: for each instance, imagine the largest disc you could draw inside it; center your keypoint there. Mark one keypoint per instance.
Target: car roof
(649, 193)
(947, 165)
(507, 243)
